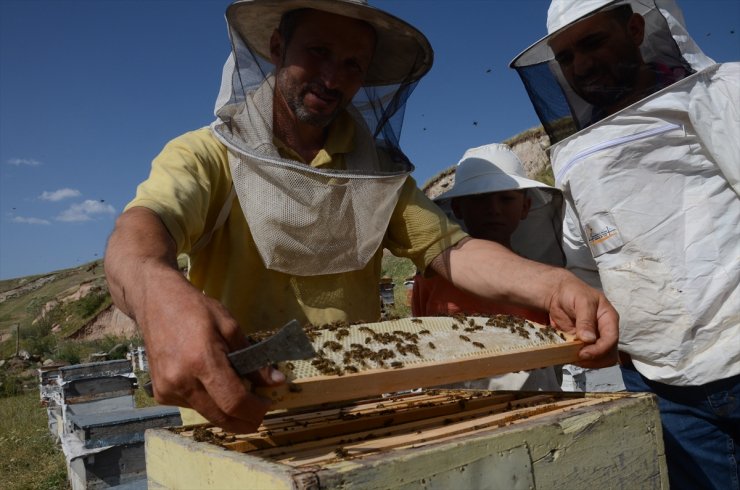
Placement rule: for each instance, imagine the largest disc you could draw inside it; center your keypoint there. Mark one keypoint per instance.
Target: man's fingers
(227, 390)
(586, 330)
(202, 402)
(587, 313)
(602, 337)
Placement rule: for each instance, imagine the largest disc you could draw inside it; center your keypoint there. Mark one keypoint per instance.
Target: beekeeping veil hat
(306, 220)
(562, 112)
(496, 168)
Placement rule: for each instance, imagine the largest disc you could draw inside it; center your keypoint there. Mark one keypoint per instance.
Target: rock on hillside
(110, 321)
(530, 146)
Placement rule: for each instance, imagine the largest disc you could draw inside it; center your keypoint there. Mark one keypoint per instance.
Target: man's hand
(188, 337)
(577, 308)
(491, 271)
(187, 334)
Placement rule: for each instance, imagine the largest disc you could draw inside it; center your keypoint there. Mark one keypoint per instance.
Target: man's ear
(636, 29)
(526, 204)
(276, 48)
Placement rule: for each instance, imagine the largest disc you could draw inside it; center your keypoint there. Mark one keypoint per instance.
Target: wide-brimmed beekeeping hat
(402, 53)
(490, 168)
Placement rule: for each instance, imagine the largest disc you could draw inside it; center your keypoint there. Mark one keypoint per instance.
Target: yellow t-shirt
(188, 186)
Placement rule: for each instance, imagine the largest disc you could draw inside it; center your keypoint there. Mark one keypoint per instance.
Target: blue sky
(90, 91)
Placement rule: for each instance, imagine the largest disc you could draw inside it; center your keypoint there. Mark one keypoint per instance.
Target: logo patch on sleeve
(602, 234)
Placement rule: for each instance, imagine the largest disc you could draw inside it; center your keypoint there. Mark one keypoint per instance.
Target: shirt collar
(340, 140)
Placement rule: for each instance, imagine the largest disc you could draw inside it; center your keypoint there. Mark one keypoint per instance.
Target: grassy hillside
(22, 299)
(37, 314)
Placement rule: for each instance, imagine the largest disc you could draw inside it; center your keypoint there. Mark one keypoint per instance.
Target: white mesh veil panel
(324, 225)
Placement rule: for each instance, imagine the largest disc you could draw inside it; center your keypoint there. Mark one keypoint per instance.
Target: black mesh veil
(381, 106)
(561, 111)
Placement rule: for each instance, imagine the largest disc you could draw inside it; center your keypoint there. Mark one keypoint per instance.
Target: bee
(334, 346)
(466, 339)
(432, 346)
(396, 364)
(479, 345)
(416, 320)
(424, 332)
(454, 327)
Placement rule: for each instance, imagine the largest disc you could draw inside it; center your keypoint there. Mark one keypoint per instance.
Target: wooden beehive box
(434, 439)
(334, 429)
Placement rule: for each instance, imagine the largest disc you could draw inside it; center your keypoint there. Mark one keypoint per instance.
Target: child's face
(493, 216)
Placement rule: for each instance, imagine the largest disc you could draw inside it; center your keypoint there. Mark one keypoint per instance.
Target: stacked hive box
(91, 410)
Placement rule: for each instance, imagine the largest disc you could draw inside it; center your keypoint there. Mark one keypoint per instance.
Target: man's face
(323, 66)
(493, 216)
(600, 57)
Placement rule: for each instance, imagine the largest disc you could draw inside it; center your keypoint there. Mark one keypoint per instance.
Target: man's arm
(489, 270)
(187, 334)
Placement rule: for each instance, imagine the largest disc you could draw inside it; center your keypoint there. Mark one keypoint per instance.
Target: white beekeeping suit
(652, 193)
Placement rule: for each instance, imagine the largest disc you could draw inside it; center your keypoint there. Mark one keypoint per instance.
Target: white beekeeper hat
(489, 168)
(495, 168)
(561, 111)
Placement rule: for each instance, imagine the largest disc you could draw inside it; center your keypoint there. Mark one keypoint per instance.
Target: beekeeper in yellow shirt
(286, 202)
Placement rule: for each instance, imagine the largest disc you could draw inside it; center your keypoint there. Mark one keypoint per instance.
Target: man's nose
(331, 74)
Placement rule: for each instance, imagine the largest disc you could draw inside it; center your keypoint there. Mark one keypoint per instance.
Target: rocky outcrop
(110, 321)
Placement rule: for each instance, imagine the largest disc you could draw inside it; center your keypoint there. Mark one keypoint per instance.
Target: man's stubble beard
(624, 86)
(294, 96)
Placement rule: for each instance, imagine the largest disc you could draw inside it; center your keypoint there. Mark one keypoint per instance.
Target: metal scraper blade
(289, 343)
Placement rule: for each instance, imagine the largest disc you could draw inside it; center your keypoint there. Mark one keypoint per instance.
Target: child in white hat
(493, 199)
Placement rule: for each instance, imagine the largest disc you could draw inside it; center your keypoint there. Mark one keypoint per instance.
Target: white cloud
(85, 211)
(60, 194)
(30, 221)
(23, 161)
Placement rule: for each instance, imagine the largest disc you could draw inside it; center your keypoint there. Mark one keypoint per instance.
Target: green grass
(29, 457)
